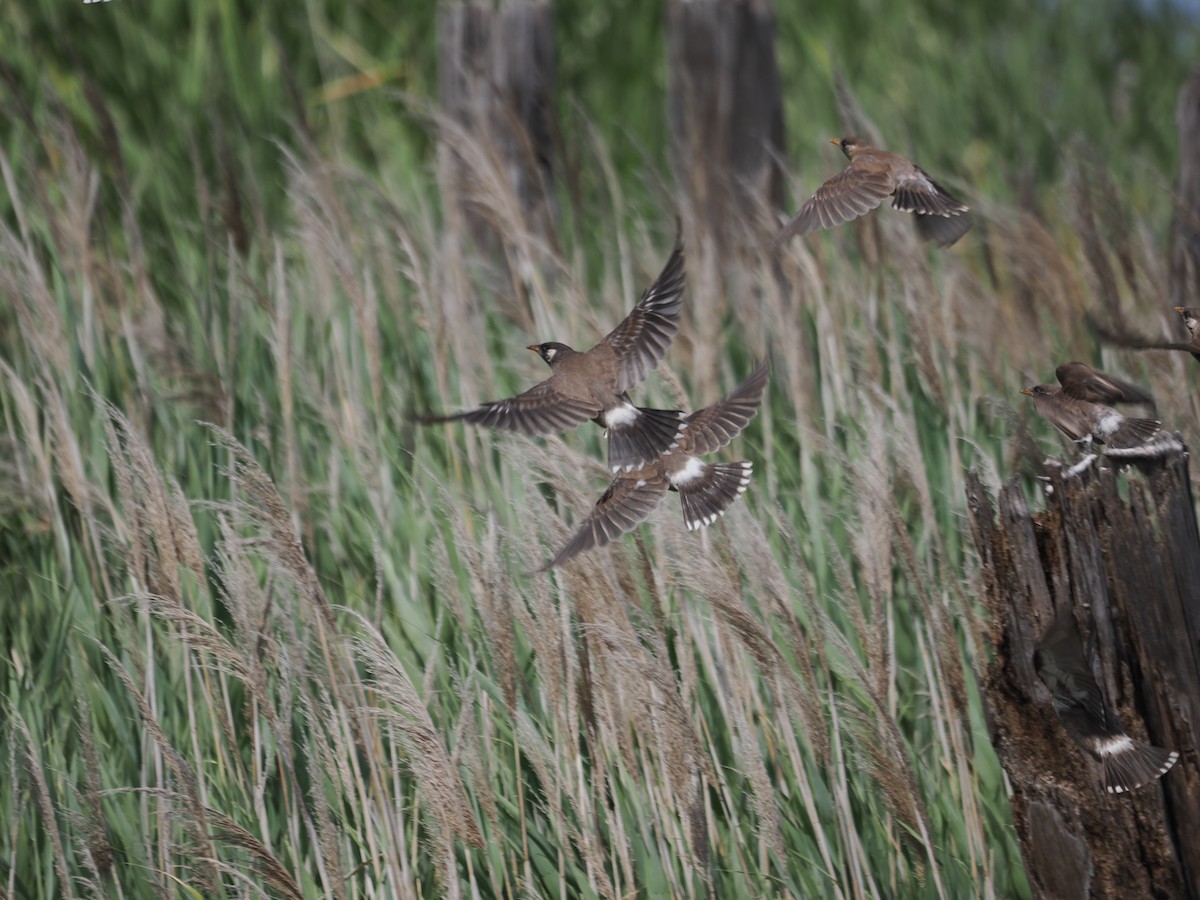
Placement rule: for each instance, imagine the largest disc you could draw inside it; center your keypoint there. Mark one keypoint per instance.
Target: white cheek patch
(621, 416)
(689, 473)
(1109, 423)
(1114, 745)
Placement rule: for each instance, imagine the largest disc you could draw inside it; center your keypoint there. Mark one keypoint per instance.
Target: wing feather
(713, 427)
(627, 503)
(540, 410)
(850, 193)
(642, 339)
(1081, 381)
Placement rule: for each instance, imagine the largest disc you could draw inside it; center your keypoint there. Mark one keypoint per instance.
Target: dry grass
(336, 671)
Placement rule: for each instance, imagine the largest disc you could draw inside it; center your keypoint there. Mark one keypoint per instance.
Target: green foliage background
(229, 213)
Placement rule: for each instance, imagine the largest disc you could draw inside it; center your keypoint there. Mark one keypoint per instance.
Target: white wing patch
(1114, 745)
(621, 416)
(1108, 423)
(689, 473)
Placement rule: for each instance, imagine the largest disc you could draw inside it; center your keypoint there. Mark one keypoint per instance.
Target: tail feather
(706, 496)
(1135, 764)
(942, 230)
(437, 419)
(1133, 433)
(639, 440)
(802, 223)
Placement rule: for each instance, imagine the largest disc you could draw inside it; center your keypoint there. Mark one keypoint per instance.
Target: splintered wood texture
(1128, 567)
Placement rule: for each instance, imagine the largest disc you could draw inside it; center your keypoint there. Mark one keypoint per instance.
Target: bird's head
(551, 352)
(1190, 316)
(849, 145)
(1038, 390)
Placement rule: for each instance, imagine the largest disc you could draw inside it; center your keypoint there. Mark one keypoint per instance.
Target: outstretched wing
(1081, 381)
(625, 505)
(540, 410)
(642, 339)
(850, 193)
(713, 427)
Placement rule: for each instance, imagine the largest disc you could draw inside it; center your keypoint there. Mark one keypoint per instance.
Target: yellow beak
(1028, 392)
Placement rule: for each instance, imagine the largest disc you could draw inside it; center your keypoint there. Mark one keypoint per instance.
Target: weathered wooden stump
(726, 113)
(496, 87)
(1121, 553)
(1184, 272)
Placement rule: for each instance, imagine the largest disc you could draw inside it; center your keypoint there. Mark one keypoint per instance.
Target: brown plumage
(872, 176)
(1081, 407)
(1191, 320)
(705, 489)
(593, 384)
(1080, 380)
(1062, 666)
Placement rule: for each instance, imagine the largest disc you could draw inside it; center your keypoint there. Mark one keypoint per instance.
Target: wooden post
(496, 85)
(1128, 570)
(726, 112)
(1184, 272)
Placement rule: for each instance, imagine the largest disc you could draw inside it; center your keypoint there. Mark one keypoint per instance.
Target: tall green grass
(265, 637)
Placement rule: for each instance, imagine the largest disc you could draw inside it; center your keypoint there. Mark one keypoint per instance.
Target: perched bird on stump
(1061, 665)
(705, 489)
(593, 384)
(872, 176)
(1120, 334)
(1191, 318)
(1081, 407)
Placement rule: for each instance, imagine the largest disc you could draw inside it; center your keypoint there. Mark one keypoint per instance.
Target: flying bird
(594, 384)
(872, 176)
(1060, 663)
(705, 489)
(1081, 407)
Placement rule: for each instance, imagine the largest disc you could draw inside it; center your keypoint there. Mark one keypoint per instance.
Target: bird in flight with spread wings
(594, 384)
(872, 176)
(705, 489)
